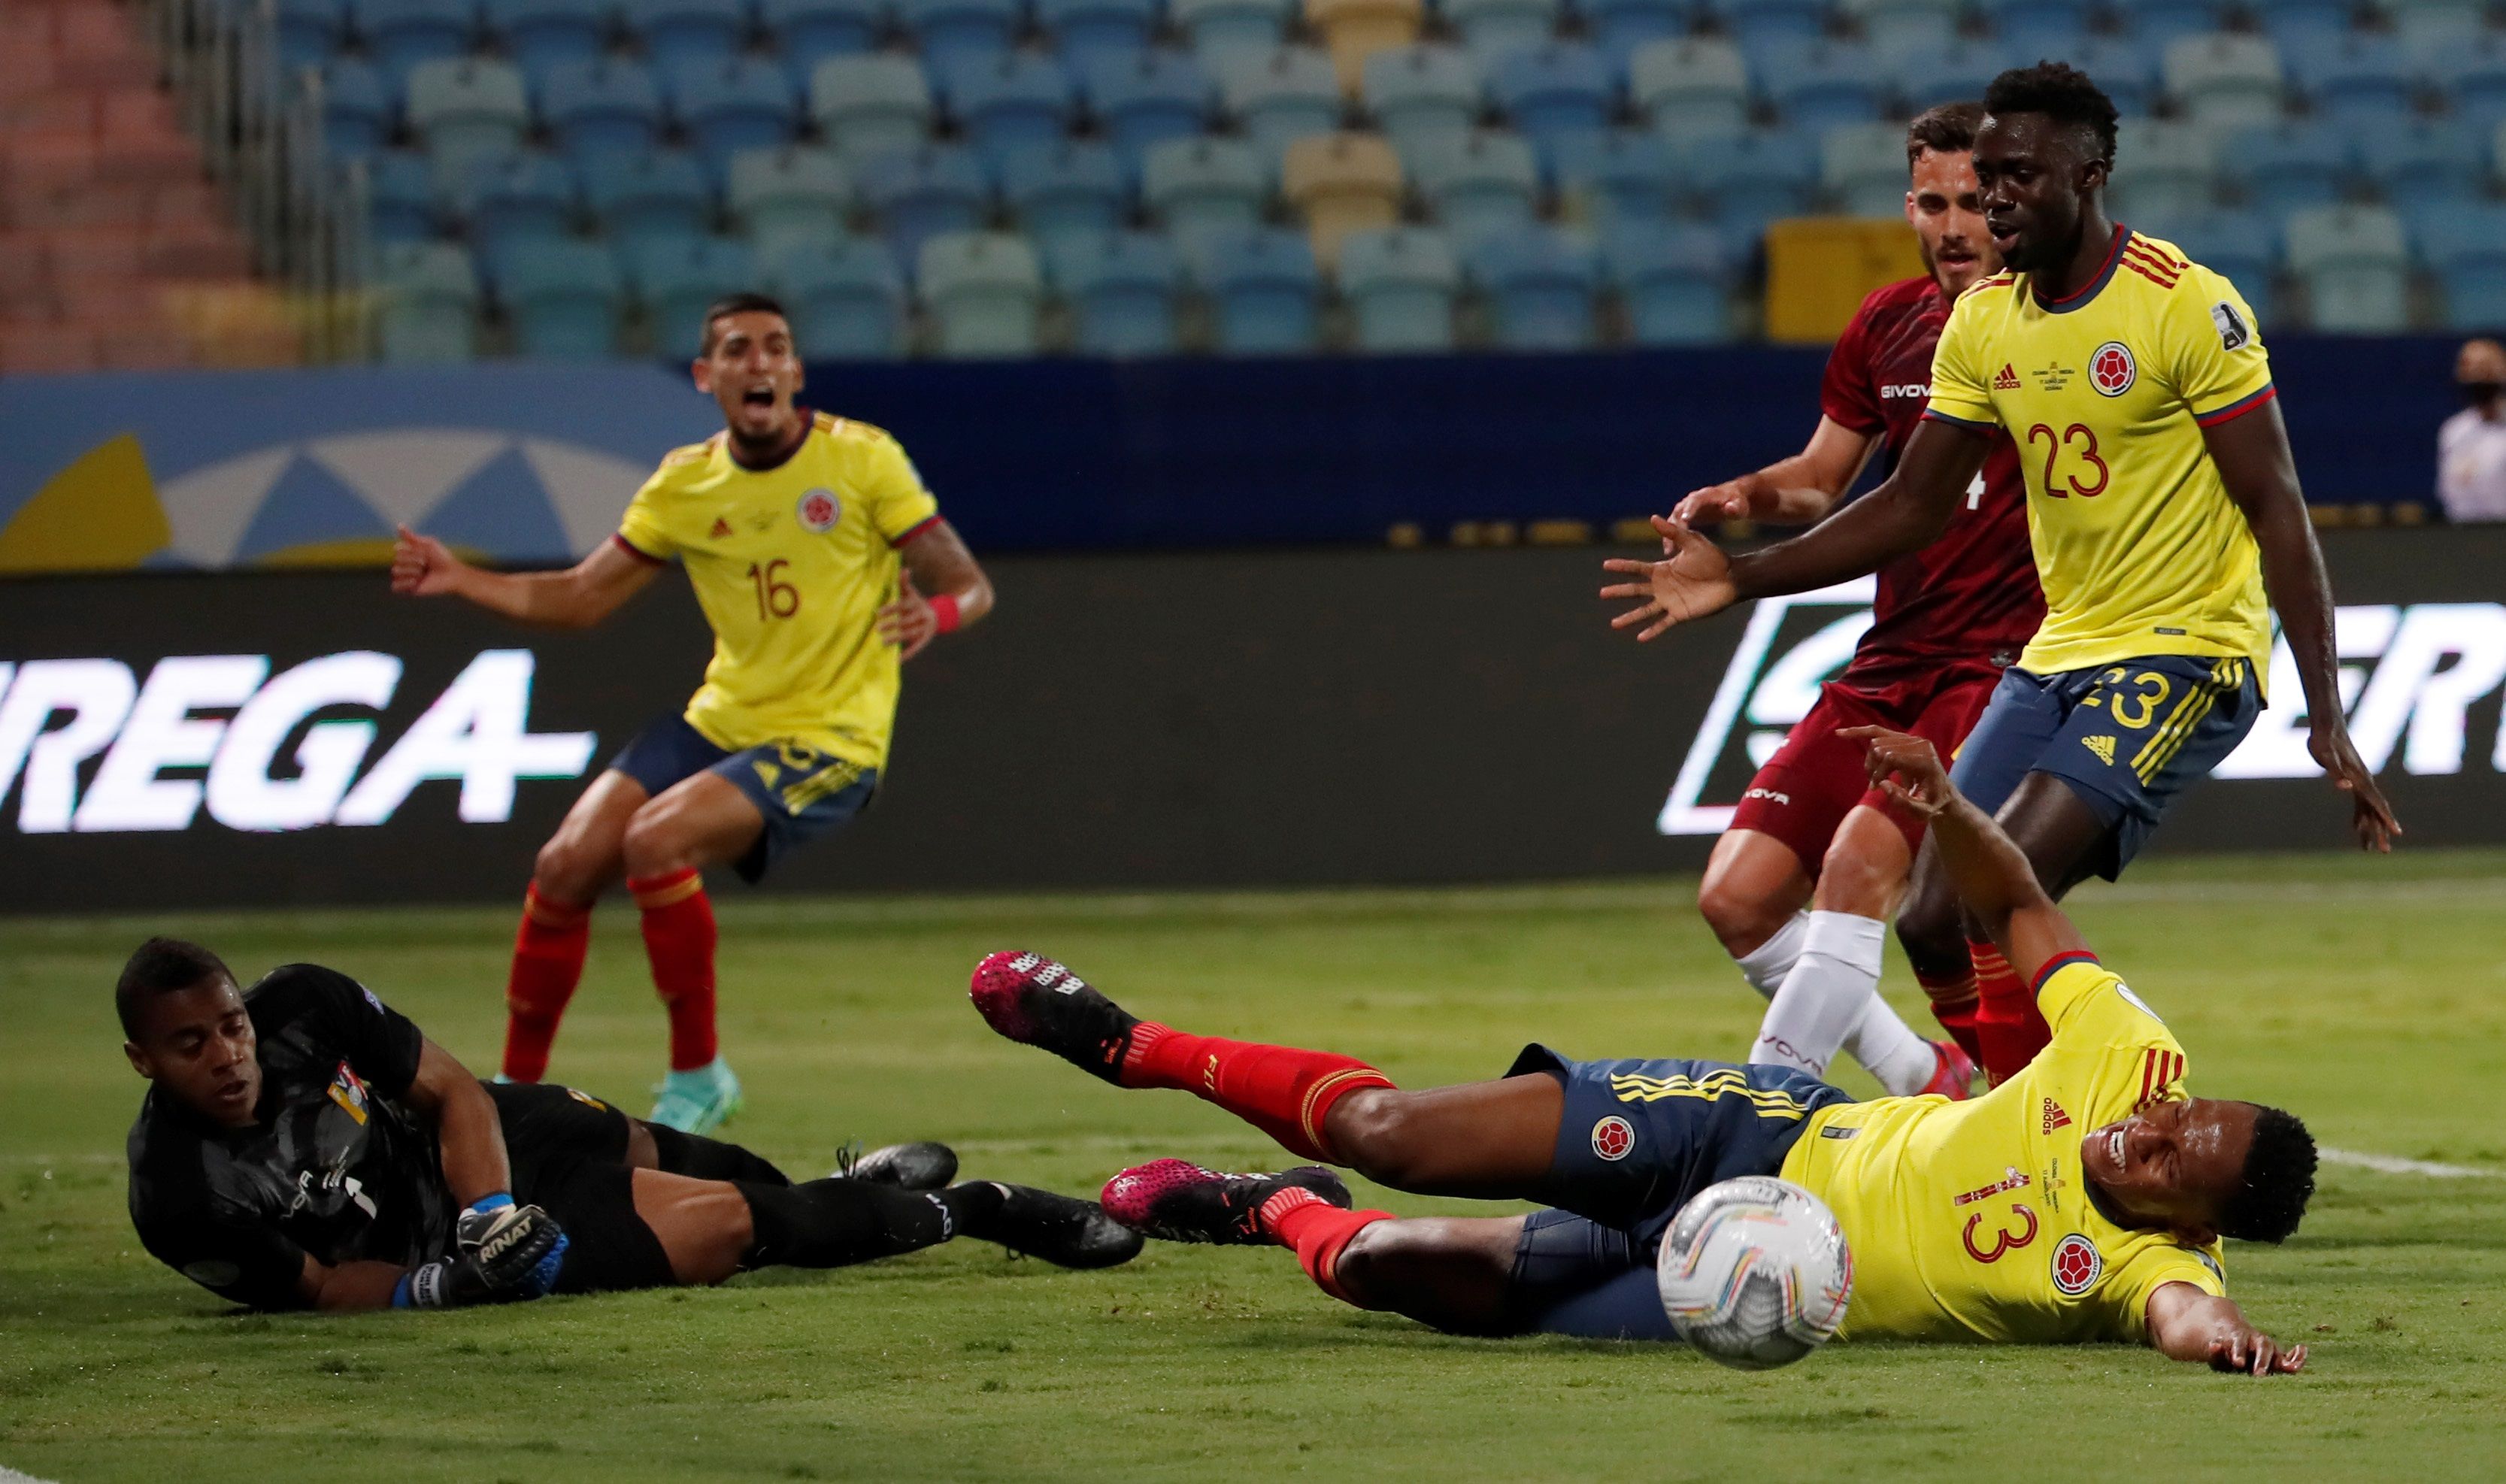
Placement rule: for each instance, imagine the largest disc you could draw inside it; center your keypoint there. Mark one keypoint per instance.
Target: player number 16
(775, 598)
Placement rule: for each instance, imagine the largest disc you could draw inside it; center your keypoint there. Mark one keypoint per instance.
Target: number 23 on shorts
(2132, 698)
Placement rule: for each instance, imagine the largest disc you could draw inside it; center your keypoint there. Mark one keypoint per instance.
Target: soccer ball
(1755, 1272)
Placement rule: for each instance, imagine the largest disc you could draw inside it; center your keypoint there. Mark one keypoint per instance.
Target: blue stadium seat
(870, 105)
(1755, 20)
(1478, 183)
(1064, 190)
(308, 31)
(2161, 22)
(726, 106)
(2282, 167)
(639, 199)
(984, 292)
(563, 298)
(1493, 28)
(1956, 72)
(2224, 81)
(2415, 161)
(1283, 95)
(947, 32)
(1123, 289)
(1894, 27)
(788, 199)
(1624, 176)
(400, 34)
(466, 107)
(1402, 284)
(400, 196)
(846, 300)
(1091, 32)
(2124, 68)
(1620, 27)
(541, 34)
(2472, 76)
(921, 192)
(1540, 283)
(1818, 84)
(524, 196)
(605, 106)
(2433, 24)
(2040, 27)
(1146, 98)
(1200, 186)
(2355, 264)
(1698, 86)
(1265, 293)
(426, 298)
(356, 108)
(1555, 92)
(2243, 246)
(1223, 30)
(1004, 100)
(1750, 179)
(809, 31)
(1863, 166)
(2163, 170)
(2465, 245)
(2352, 76)
(1673, 284)
(2297, 22)
(1423, 91)
(685, 33)
(677, 280)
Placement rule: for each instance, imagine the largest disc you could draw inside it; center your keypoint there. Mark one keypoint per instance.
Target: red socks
(1954, 1005)
(1280, 1090)
(1317, 1232)
(2007, 1022)
(547, 964)
(679, 940)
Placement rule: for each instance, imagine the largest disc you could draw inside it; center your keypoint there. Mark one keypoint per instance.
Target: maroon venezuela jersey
(1972, 593)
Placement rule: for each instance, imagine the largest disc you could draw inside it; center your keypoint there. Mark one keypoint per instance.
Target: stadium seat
(518, 197)
(2164, 169)
(918, 193)
(1750, 179)
(1003, 100)
(2354, 261)
(2351, 76)
(784, 198)
(356, 107)
(726, 106)
(2163, 23)
(1402, 284)
(2472, 76)
(2243, 246)
(2041, 28)
(1495, 28)
(2415, 161)
(2434, 25)
(1863, 166)
(1674, 285)
(607, 105)
(643, 198)
(1427, 91)
(1092, 32)
(2465, 246)
(1895, 27)
(2282, 167)
(2296, 21)
(2223, 80)
(676, 281)
(809, 31)
(1223, 32)
(1539, 283)
(1200, 186)
(679, 34)
(1478, 183)
(2126, 69)
(1263, 290)
(307, 32)
(870, 105)
(1353, 30)
(948, 31)
(1148, 97)
(1622, 27)
(1699, 85)
(564, 299)
(1956, 72)
(1281, 95)
(1123, 291)
(1555, 92)
(426, 296)
(400, 34)
(1058, 190)
(1621, 177)
(845, 298)
(466, 107)
(983, 291)
(540, 34)
(1755, 20)
(1818, 84)
(1342, 183)
(400, 196)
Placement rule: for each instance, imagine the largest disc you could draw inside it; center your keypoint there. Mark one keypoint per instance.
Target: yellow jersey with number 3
(790, 565)
(2106, 394)
(1971, 1220)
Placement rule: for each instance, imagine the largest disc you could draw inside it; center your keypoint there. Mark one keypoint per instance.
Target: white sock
(1824, 998)
(1892, 1050)
(1771, 963)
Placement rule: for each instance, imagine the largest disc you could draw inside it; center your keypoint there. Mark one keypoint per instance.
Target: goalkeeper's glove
(503, 1253)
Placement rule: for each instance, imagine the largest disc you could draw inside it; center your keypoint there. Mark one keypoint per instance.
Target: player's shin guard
(1317, 1232)
(679, 940)
(700, 1158)
(2006, 1023)
(1281, 1090)
(838, 1223)
(1954, 1005)
(547, 964)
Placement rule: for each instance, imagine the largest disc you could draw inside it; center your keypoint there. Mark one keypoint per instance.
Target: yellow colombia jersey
(790, 565)
(1969, 1221)
(2138, 548)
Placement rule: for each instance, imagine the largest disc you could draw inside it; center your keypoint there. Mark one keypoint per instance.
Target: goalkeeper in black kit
(305, 1147)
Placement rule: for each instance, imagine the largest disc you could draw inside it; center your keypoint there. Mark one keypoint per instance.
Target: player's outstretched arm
(468, 1134)
(936, 562)
(2186, 1323)
(2255, 464)
(1800, 490)
(1992, 875)
(578, 597)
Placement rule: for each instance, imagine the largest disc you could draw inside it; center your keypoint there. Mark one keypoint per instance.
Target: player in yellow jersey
(2081, 1200)
(810, 542)
(2164, 508)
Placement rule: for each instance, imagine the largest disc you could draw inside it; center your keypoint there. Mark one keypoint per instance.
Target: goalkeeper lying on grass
(304, 1146)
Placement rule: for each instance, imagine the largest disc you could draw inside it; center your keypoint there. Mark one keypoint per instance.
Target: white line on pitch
(2391, 1164)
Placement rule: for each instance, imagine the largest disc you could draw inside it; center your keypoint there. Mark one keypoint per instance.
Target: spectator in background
(2471, 447)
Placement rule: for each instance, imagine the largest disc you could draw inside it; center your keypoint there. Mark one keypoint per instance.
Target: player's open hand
(907, 622)
(1693, 581)
(421, 565)
(2369, 815)
(1746, 498)
(2247, 1351)
(1907, 769)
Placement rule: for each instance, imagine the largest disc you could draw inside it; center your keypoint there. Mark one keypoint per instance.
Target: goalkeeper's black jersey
(333, 1165)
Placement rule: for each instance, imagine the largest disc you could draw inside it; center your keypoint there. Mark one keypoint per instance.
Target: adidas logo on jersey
(2008, 380)
(2103, 747)
(721, 528)
(2055, 1118)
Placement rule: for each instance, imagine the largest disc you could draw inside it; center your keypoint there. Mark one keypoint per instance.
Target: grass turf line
(2365, 995)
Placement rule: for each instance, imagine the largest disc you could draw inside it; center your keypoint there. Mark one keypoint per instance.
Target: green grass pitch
(2368, 995)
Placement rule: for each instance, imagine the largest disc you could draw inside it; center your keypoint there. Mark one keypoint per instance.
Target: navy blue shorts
(801, 791)
(2126, 737)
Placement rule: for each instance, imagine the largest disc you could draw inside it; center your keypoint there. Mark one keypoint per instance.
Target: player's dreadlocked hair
(2278, 1180)
(2060, 92)
(1949, 129)
(161, 965)
(736, 303)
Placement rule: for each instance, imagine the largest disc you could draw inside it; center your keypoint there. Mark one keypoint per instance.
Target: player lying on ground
(304, 1146)
(2083, 1199)
(2163, 506)
(810, 541)
(1801, 887)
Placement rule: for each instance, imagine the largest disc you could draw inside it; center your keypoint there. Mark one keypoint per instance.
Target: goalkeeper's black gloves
(502, 1254)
